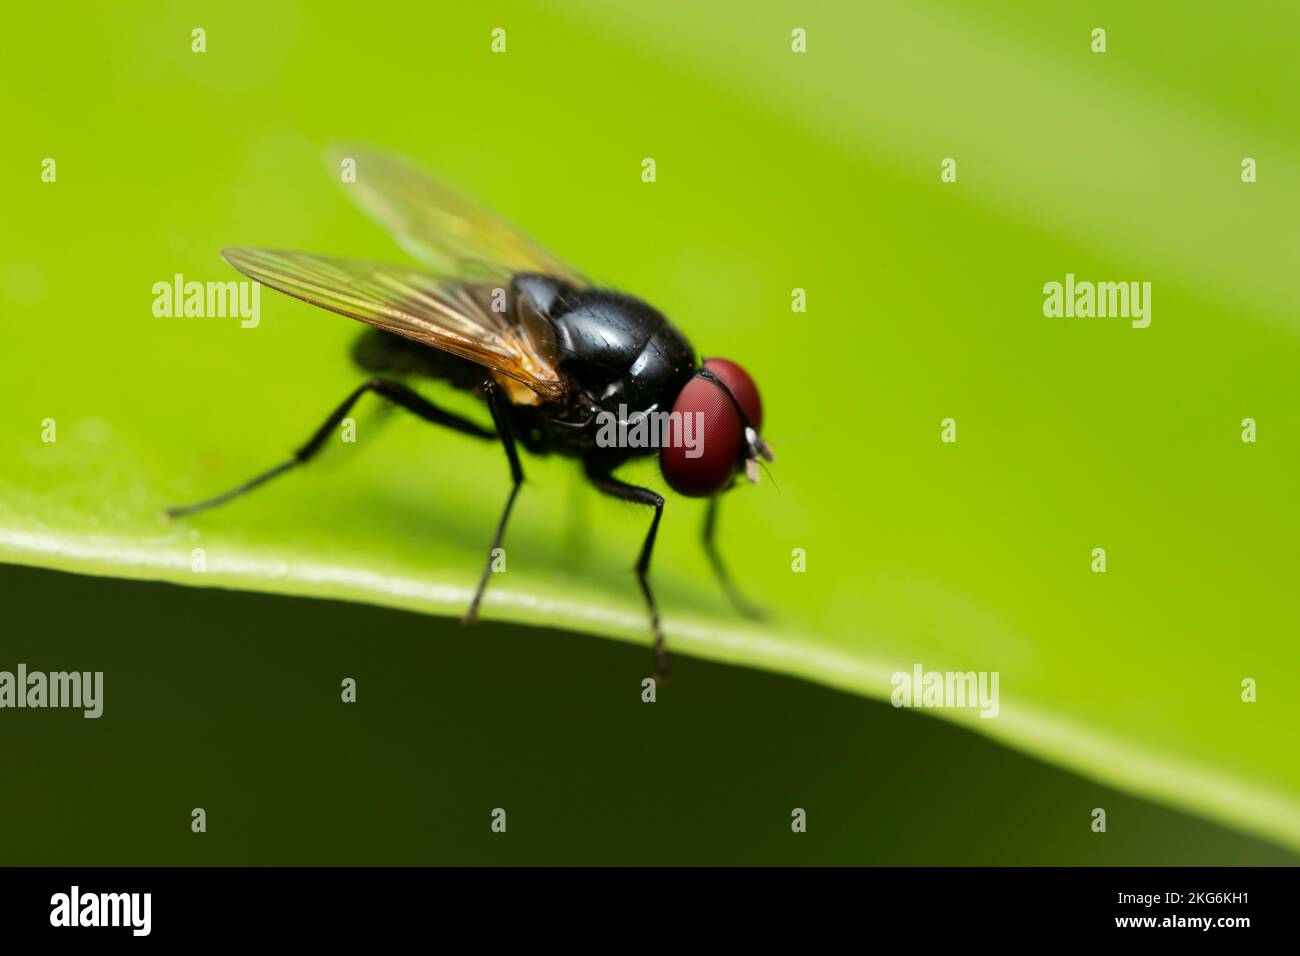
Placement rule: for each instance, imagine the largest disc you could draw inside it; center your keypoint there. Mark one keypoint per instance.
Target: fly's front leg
(611, 486)
(737, 599)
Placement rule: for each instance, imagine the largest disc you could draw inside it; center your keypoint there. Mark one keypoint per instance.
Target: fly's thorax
(620, 350)
(541, 294)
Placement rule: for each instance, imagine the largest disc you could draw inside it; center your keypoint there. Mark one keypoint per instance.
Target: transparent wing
(452, 315)
(448, 232)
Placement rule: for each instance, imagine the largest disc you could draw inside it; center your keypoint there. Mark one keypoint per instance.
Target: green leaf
(776, 171)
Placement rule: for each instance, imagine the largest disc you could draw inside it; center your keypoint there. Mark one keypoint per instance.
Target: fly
(555, 358)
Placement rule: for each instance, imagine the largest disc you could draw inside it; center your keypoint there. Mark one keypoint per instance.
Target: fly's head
(722, 409)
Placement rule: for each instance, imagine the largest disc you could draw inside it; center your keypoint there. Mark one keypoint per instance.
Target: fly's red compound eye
(742, 386)
(704, 448)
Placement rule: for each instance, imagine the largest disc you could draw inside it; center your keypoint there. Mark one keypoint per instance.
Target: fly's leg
(737, 599)
(608, 484)
(497, 406)
(395, 392)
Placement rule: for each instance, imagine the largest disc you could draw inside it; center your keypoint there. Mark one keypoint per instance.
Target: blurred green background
(775, 171)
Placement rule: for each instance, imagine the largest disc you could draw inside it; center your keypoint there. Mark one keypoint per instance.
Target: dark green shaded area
(230, 701)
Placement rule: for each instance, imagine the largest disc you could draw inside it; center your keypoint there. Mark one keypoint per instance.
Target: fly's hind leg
(395, 392)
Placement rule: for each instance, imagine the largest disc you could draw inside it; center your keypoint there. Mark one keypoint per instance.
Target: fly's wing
(454, 315)
(453, 235)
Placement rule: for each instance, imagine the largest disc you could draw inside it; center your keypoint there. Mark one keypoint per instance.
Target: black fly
(553, 357)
